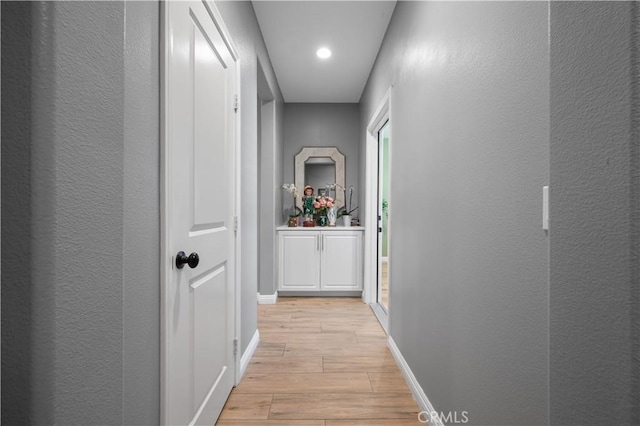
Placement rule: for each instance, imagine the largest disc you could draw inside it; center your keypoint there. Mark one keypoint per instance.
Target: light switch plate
(545, 208)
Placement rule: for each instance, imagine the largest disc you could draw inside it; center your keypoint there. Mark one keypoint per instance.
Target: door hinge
(235, 346)
(236, 104)
(235, 225)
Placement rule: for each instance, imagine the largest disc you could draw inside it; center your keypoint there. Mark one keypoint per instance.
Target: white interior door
(199, 159)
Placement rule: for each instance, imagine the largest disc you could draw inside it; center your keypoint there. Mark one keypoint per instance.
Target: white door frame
(166, 256)
(238, 252)
(378, 119)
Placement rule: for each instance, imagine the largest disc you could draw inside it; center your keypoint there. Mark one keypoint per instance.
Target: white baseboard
(248, 354)
(416, 389)
(267, 299)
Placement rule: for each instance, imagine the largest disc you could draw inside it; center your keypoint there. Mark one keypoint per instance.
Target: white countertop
(320, 228)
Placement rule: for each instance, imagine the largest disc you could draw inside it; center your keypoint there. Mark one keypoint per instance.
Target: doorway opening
(268, 190)
(383, 216)
(378, 212)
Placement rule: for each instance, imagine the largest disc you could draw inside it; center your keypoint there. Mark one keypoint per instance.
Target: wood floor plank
(352, 349)
(279, 365)
(269, 349)
(330, 315)
(374, 422)
(288, 327)
(297, 422)
(388, 382)
(307, 383)
(357, 364)
(247, 406)
(273, 338)
(277, 318)
(350, 326)
(371, 337)
(309, 339)
(343, 406)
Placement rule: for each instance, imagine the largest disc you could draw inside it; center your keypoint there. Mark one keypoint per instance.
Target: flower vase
(332, 216)
(347, 220)
(322, 221)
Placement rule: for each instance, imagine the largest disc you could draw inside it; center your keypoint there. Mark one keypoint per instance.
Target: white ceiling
(294, 30)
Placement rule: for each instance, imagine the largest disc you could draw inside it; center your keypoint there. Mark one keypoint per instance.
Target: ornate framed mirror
(319, 167)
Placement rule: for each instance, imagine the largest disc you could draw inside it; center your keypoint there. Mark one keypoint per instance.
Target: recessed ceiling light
(323, 53)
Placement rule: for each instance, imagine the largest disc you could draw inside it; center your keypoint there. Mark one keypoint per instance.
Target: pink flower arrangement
(322, 204)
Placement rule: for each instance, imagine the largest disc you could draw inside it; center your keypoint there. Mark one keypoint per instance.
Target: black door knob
(192, 260)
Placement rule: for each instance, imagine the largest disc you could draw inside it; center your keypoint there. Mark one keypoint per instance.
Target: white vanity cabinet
(320, 259)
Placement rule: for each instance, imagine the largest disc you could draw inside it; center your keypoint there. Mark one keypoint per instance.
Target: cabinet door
(299, 259)
(341, 261)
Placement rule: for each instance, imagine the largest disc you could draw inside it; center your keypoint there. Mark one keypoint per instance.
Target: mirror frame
(324, 152)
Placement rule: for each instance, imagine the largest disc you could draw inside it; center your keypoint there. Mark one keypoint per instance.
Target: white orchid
(290, 188)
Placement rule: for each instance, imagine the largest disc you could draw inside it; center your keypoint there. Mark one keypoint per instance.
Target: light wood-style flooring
(320, 362)
(384, 288)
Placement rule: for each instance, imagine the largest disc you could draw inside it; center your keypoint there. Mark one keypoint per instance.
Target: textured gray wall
(142, 214)
(77, 223)
(469, 158)
(241, 21)
(88, 127)
(322, 125)
(269, 190)
(16, 220)
(594, 217)
(266, 189)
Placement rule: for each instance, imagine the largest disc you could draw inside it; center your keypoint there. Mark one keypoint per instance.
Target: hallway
(503, 115)
(321, 361)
